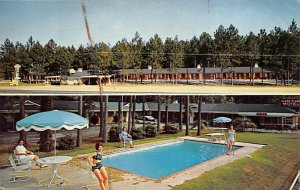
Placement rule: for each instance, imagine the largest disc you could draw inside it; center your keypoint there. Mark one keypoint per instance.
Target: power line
(197, 54)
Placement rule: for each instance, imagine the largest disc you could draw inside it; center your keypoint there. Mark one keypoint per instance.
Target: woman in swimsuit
(94, 160)
(231, 139)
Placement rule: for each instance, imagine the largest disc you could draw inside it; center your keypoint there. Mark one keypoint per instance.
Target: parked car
(148, 119)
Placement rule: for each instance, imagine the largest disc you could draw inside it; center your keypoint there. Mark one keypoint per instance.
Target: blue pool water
(163, 160)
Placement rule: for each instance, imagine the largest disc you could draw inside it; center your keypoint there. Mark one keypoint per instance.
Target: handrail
(295, 180)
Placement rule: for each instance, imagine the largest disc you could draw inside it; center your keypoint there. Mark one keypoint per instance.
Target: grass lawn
(272, 167)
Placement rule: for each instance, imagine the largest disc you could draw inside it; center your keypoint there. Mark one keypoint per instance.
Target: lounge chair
(18, 161)
(20, 170)
(122, 140)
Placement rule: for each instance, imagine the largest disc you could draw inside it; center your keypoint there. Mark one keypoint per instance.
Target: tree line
(277, 51)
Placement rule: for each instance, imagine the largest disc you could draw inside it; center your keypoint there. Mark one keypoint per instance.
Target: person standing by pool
(126, 137)
(98, 169)
(230, 140)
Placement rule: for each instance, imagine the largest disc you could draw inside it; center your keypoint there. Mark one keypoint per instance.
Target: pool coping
(196, 170)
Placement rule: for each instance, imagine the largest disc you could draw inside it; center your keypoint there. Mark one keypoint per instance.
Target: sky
(113, 20)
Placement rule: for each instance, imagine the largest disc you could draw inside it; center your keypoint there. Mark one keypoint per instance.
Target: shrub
(66, 143)
(113, 134)
(94, 120)
(4, 124)
(203, 124)
(170, 129)
(150, 131)
(116, 118)
(137, 133)
(46, 141)
(241, 123)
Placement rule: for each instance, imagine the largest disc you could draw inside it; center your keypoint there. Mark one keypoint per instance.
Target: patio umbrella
(52, 120)
(222, 120)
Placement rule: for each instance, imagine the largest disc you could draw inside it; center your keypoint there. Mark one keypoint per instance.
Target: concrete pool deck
(80, 176)
(196, 171)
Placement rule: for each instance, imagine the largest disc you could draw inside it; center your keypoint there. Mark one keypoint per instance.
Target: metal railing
(295, 180)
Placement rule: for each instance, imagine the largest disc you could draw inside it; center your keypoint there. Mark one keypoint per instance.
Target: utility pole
(105, 119)
(87, 28)
(199, 116)
(79, 134)
(187, 114)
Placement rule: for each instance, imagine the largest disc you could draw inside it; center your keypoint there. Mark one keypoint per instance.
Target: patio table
(54, 161)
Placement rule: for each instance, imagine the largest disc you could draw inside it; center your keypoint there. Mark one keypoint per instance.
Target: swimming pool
(163, 160)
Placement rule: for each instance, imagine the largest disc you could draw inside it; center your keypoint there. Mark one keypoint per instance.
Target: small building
(87, 77)
(34, 77)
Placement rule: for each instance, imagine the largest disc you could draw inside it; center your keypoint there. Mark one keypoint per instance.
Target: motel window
(289, 120)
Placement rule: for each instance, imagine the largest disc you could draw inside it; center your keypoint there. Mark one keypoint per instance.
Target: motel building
(194, 74)
(265, 116)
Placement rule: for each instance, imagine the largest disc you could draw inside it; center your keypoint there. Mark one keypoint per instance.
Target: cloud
(298, 1)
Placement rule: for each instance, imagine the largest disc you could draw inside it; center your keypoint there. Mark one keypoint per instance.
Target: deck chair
(122, 140)
(16, 158)
(18, 161)
(20, 170)
(91, 174)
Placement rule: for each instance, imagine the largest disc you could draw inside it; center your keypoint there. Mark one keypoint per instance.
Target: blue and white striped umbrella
(222, 120)
(52, 120)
